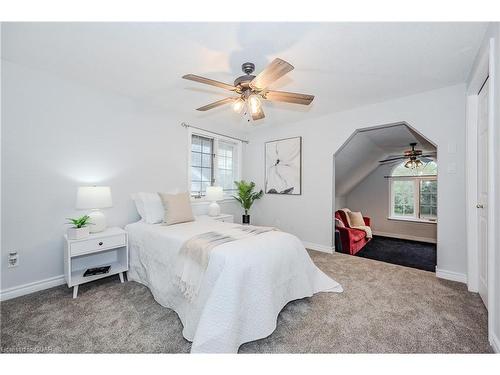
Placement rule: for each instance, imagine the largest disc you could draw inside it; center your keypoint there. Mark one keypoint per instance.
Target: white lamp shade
(214, 193)
(89, 197)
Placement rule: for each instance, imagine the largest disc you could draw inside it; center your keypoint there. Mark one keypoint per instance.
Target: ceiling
(345, 65)
(395, 139)
(359, 156)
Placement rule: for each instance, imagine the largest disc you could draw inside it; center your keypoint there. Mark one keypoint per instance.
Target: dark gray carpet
(420, 255)
(384, 309)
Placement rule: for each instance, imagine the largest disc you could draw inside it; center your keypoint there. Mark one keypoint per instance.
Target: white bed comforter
(245, 286)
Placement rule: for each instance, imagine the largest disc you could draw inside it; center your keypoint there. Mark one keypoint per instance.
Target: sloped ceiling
(345, 65)
(360, 155)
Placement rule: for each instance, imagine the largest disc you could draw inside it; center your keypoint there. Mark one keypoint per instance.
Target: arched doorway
(389, 174)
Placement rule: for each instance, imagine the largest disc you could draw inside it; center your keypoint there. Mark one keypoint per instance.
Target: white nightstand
(222, 217)
(106, 248)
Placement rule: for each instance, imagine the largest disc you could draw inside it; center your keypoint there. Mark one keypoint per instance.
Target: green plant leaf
(79, 222)
(246, 196)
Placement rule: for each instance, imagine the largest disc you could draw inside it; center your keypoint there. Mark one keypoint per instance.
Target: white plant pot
(78, 233)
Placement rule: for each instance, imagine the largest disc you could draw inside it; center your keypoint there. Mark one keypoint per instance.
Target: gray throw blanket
(194, 255)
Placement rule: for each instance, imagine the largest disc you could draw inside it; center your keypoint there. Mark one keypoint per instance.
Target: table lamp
(94, 198)
(214, 194)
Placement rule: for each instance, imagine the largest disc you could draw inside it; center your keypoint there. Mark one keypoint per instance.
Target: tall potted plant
(246, 196)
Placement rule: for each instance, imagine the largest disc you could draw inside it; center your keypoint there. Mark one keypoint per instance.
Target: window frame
(392, 198)
(215, 162)
(235, 164)
(426, 218)
(416, 199)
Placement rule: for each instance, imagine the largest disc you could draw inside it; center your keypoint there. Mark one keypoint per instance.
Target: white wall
(56, 136)
(340, 202)
(439, 115)
(371, 197)
(352, 164)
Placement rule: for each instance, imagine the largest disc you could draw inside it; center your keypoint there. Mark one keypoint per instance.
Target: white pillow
(149, 206)
(139, 205)
(356, 219)
(177, 208)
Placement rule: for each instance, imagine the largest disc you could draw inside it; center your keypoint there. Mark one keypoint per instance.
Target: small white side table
(227, 218)
(106, 248)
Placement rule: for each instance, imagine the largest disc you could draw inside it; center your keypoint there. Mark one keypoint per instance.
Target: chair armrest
(367, 221)
(344, 230)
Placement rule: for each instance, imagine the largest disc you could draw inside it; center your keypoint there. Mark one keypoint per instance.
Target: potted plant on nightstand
(246, 196)
(80, 227)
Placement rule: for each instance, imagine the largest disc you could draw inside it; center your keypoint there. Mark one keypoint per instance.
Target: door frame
(484, 69)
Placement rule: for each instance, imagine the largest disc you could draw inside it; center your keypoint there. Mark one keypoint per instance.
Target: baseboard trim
(405, 237)
(451, 275)
(495, 343)
(35, 286)
(318, 247)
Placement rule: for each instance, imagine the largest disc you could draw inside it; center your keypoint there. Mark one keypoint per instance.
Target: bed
(245, 285)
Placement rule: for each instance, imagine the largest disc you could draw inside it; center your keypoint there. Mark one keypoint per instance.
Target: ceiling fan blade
(208, 81)
(393, 159)
(391, 162)
(275, 70)
(218, 103)
(289, 97)
(425, 159)
(258, 115)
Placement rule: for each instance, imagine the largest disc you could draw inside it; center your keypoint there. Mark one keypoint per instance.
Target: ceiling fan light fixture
(254, 103)
(413, 163)
(410, 164)
(238, 105)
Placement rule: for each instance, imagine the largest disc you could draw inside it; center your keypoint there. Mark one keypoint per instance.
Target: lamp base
(214, 209)
(97, 221)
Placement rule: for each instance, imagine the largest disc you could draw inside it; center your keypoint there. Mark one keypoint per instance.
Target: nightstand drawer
(226, 219)
(96, 244)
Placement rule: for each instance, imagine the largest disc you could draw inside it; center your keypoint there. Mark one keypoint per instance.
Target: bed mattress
(245, 286)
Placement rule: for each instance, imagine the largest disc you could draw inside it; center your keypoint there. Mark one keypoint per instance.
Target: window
(428, 169)
(413, 193)
(214, 161)
(202, 164)
(428, 199)
(404, 198)
(227, 171)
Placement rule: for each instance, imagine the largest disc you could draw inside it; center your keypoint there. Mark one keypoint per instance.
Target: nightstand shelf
(106, 248)
(116, 269)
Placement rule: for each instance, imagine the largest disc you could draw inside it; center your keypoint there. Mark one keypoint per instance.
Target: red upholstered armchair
(352, 240)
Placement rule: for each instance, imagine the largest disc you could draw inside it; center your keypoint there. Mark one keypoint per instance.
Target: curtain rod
(209, 131)
(417, 176)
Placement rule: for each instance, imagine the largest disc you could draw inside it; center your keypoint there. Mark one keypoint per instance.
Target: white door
(482, 191)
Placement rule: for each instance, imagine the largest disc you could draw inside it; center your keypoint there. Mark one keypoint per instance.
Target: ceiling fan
(250, 89)
(415, 157)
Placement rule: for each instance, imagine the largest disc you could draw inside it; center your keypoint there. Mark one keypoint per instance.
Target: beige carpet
(384, 309)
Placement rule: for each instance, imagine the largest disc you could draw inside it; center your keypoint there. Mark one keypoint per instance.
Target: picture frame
(283, 166)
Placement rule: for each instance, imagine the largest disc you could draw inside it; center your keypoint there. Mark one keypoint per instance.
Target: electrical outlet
(13, 259)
